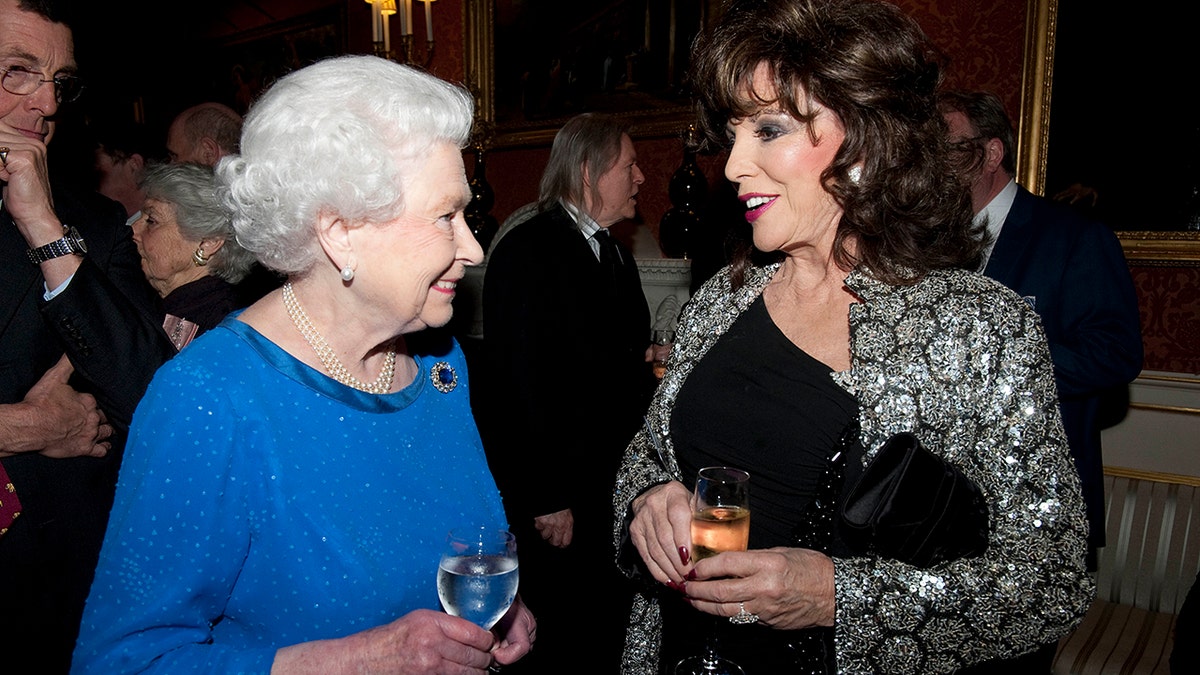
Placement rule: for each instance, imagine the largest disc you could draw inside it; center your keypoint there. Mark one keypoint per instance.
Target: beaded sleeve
(962, 362)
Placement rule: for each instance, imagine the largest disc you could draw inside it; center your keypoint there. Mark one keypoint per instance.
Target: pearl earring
(347, 273)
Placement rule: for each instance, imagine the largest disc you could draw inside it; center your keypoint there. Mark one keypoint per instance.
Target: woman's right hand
(422, 641)
(661, 531)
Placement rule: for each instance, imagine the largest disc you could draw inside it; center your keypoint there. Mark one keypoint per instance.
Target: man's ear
(210, 151)
(993, 155)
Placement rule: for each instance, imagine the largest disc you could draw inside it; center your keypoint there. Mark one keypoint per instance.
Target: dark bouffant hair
(872, 66)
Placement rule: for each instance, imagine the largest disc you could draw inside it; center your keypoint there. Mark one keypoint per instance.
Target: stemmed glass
(720, 522)
(477, 575)
(662, 338)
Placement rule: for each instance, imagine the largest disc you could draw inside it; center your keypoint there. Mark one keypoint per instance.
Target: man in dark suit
(70, 283)
(566, 333)
(1072, 271)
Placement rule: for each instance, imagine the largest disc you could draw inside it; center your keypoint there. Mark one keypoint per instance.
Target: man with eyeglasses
(78, 344)
(1073, 272)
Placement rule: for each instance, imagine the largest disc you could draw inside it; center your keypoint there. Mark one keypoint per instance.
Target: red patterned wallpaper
(1170, 309)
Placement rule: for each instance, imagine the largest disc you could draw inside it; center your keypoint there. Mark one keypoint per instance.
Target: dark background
(142, 62)
(1123, 118)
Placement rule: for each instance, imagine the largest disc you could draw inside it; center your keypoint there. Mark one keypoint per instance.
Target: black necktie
(609, 257)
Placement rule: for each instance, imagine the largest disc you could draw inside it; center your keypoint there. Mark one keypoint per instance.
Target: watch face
(77, 243)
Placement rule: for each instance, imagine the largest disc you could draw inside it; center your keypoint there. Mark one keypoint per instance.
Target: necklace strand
(381, 385)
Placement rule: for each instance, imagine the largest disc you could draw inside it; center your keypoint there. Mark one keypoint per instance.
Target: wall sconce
(381, 12)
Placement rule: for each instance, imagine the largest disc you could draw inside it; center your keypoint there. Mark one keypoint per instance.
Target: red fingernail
(683, 554)
(691, 575)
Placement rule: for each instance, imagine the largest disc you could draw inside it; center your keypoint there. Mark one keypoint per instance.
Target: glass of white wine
(478, 574)
(720, 522)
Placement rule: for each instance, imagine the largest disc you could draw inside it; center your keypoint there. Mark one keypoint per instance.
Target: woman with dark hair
(852, 320)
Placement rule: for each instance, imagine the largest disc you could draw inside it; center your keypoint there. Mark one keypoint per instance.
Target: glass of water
(477, 575)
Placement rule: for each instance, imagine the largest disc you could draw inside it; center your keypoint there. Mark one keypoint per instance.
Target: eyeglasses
(968, 143)
(22, 82)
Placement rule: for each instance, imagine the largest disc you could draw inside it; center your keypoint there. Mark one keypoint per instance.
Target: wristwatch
(70, 243)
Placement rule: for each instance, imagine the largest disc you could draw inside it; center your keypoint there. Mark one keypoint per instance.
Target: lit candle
(428, 20)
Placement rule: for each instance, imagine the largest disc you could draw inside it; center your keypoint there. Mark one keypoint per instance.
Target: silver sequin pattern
(962, 362)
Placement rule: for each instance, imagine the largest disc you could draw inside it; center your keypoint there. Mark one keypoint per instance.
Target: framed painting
(532, 64)
(244, 64)
(1124, 140)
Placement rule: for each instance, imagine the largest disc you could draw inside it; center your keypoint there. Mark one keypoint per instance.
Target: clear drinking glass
(478, 573)
(662, 338)
(720, 522)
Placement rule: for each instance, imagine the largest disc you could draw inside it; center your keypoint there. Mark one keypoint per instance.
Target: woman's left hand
(517, 631)
(787, 588)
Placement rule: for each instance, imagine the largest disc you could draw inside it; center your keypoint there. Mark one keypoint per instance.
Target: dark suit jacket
(1075, 274)
(564, 390)
(566, 381)
(106, 321)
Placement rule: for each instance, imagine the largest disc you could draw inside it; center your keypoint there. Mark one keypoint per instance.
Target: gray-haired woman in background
(189, 253)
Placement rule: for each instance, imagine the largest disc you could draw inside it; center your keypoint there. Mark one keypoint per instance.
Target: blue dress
(262, 504)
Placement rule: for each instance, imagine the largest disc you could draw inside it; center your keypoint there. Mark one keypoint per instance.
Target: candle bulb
(428, 20)
(376, 28)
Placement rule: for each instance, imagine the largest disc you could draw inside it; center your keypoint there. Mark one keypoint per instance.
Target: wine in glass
(477, 575)
(720, 522)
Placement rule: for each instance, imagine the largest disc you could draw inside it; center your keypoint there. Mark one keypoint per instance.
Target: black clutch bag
(911, 505)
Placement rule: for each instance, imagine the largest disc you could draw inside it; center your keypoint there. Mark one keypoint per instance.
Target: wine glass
(720, 522)
(477, 575)
(661, 338)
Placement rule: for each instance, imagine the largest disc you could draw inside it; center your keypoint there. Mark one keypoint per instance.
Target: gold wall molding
(1033, 137)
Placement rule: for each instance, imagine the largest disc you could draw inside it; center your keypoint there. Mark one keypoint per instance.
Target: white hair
(343, 136)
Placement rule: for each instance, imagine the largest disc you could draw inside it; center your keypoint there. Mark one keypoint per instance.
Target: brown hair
(872, 67)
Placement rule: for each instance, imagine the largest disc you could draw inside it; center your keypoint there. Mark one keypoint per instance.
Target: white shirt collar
(996, 212)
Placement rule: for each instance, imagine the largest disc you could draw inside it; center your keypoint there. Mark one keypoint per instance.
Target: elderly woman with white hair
(189, 253)
(291, 476)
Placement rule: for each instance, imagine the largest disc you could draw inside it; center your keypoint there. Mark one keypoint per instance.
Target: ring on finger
(743, 618)
(4, 156)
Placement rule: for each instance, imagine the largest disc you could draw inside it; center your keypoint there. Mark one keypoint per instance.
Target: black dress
(759, 403)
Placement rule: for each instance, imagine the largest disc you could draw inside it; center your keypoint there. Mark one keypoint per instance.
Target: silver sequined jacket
(963, 363)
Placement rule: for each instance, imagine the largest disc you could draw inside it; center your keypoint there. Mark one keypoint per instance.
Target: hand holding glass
(720, 522)
(477, 575)
(720, 511)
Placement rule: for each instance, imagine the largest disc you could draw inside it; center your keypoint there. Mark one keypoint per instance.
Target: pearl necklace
(381, 385)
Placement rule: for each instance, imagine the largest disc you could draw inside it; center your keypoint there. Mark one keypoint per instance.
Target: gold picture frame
(1172, 248)
(479, 30)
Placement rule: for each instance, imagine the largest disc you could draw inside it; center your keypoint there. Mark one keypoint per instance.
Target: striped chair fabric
(1150, 561)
